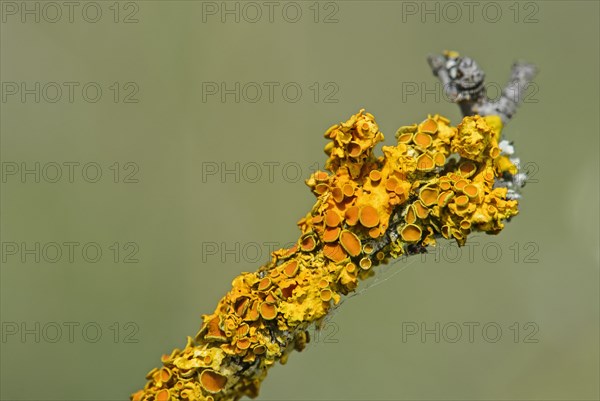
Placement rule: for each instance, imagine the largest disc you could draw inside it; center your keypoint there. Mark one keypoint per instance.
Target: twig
(440, 181)
(463, 82)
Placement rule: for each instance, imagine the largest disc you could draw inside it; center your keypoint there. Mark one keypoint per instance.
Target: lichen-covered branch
(439, 181)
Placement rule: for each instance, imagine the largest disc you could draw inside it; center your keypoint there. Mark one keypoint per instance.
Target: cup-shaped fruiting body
(163, 395)
(411, 216)
(165, 374)
(308, 243)
(352, 215)
(212, 381)
(411, 233)
(437, 182)
(368, 216)
(351, 243)
(428, 195)
(425, 162)
(365, 263)
(291, 268)
(421, 210)
(429, 126)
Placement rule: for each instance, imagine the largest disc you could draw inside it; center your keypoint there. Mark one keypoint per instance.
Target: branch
(463, 82)
(437, 182)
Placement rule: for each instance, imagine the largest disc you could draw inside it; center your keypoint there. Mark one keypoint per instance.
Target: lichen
(438, 181)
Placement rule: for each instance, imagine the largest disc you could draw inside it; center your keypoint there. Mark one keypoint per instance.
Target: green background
(369, 57)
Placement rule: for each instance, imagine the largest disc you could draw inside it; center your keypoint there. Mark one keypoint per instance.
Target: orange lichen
(163, 395)
(444, 198)
(351, 268)
(214, 331)
(243, 343)
(470, 190)
(291, 268)
(411, 233)
(365, 263)
(425, 162)
(212, 381)
(438, 181)
(375, 175)
(428, 195)
(331, 234)
(461, 200)
(337, 194)
(420, 210)
(326, 295)
(350, 242)
(308, 243)
(268, 311)
(467, 169)
(165, 374)
(332, 219)
(405, 137)
(243, 329)
(429, 126)
(368, 216)
(352, 215)
(423, 140)
(411, 216)
(439, 159)
(264, 284)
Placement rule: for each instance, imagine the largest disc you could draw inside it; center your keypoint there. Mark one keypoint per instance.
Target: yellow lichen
(438, 181)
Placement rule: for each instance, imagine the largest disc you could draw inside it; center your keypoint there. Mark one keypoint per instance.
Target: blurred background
(153, 150)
